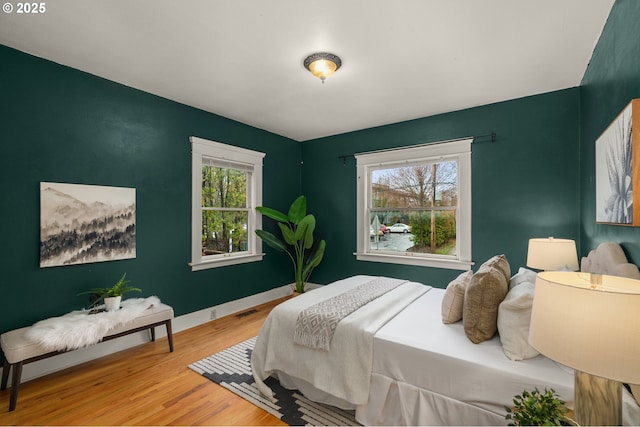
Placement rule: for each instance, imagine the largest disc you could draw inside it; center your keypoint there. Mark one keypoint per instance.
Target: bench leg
(167, 324)
(5, 373)
(15, 385)
(169, 334)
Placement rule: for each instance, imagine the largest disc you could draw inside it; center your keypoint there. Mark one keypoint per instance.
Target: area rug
(231, 368)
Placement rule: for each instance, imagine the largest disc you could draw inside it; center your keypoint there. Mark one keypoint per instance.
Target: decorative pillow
(635, 391)
(500, 263)
(514, 317)
(524, 275)
(485, 292)
(453, 299)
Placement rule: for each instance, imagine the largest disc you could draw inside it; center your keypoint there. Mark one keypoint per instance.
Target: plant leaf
(287, 233)
(308, 238)
(272, 240)
(298, 210)
(317, 256)
(304, 232)
(272, 213)
(301, 230)
(97, 291)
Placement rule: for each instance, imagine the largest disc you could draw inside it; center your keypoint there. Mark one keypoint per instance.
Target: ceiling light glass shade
(322, 64)
(552, 254)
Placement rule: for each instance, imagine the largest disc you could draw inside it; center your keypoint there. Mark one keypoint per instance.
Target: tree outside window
(224, 210)
(423, 196)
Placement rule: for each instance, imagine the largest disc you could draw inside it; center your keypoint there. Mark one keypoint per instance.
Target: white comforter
(345, 370)
(427, 373)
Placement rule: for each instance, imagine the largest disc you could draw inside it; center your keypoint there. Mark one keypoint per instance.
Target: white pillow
(514, 317)
(453, 299)
(524, 275)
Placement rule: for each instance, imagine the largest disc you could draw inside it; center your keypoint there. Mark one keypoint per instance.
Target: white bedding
(422, 372)
(441, 377)
(342, 372)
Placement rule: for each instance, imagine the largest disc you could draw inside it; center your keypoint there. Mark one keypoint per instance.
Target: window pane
(423, 232)
(409, 200)
(415, 186)
(224, 232)
(223, 187)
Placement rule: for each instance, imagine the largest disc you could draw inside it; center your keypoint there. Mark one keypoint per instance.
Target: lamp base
(598, 401)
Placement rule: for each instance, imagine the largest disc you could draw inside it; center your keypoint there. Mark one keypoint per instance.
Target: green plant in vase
(537, 408)
(297, 228)
(98, 295)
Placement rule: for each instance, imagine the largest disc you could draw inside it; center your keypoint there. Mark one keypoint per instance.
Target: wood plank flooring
(144, 385)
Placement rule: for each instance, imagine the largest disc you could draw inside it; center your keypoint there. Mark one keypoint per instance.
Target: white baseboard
(180, 323)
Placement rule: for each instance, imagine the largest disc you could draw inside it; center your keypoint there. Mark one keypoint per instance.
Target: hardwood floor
(144, 385)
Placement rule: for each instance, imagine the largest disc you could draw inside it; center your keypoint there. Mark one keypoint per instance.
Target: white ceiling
(242, 59)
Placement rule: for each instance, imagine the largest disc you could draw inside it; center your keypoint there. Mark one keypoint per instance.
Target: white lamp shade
(596, 331)
(552, 254)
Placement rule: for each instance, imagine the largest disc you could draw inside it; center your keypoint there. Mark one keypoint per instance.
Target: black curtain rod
(492, 135)
(476, 139)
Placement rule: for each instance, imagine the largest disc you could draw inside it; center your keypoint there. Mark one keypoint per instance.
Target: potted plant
(538, 409)
(297, 229)
(111, 296)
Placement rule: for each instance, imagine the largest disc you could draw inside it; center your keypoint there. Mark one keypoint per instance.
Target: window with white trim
(226, 188)
(414, 205)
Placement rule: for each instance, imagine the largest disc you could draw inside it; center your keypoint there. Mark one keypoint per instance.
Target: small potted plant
(111, 296)
(537, 408)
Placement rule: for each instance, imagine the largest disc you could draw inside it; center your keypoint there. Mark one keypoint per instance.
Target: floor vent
(246, 313)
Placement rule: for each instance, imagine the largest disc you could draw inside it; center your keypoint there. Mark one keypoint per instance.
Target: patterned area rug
(231, 368)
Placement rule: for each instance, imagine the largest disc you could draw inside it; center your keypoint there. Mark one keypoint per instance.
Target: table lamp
(591, 323)
(552, 254)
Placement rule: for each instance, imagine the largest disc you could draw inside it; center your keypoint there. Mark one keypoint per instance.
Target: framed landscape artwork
(86, 223)
(618, 169)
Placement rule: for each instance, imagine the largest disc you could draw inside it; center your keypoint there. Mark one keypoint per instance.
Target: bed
(395, 362)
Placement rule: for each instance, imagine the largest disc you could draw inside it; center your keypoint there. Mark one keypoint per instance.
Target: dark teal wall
(610, 82)
(59, 124)
(62, 125)
(524, 185)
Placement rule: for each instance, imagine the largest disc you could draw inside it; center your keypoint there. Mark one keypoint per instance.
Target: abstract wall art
(86, 223)
(618, 169)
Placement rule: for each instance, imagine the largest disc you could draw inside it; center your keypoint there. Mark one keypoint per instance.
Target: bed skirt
(398, 403)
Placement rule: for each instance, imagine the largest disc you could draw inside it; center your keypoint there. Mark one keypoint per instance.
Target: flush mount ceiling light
(322, 64)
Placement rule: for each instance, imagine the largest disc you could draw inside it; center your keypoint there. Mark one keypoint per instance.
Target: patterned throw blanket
(316, 324)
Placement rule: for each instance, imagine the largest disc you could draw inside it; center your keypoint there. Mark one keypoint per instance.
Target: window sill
(414, 260)
(224, 261)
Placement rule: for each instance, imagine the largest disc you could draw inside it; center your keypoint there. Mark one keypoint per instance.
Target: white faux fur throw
(80, 329)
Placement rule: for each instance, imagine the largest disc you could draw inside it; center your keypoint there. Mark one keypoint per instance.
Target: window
(414, 205)
(226, 188)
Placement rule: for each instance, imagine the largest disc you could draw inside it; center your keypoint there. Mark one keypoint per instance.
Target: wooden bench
(18, 350)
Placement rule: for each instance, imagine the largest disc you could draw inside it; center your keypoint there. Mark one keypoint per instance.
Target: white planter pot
(112, 303)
